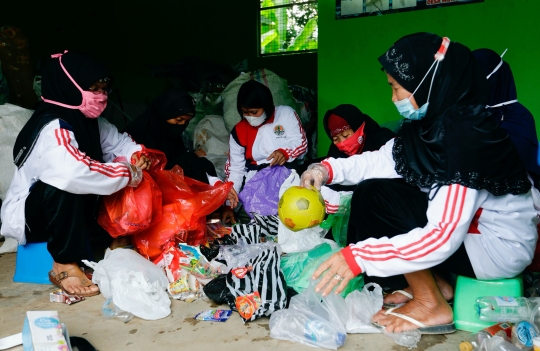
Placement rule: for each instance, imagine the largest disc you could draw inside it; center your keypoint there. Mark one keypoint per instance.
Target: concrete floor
(177, 331)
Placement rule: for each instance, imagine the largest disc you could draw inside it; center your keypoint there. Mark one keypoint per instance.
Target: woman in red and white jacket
(476, 216)
(66, 156)
(267, 135)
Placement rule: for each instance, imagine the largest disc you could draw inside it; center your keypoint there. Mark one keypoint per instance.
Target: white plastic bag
(361, 306)
(312, 319)
(301, 240)
(211, 136)
(12, 120)
(135, 284)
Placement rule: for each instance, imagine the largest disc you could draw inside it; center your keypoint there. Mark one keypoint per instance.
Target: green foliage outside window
(288, 26)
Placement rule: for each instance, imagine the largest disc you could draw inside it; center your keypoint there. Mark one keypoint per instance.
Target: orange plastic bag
(186, 202)
(131, 210)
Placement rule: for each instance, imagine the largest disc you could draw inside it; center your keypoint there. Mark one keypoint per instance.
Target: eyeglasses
(96, 90)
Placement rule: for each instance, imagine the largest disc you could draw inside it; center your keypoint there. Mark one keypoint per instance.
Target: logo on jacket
(278, 130)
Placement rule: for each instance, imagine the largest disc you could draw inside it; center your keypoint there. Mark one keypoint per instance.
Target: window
(288, 26)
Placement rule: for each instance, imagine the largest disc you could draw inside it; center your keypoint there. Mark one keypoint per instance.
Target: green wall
(348, 50)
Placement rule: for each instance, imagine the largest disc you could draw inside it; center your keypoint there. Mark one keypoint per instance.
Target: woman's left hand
(141, 161)
(277, 158)
(337, 272)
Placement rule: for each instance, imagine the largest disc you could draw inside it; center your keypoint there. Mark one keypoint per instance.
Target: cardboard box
(45, 331)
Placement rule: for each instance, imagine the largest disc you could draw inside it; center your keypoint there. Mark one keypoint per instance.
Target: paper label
(506, 301)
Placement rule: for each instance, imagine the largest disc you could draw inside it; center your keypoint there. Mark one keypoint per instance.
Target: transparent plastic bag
(239, 255)
(361, 306)
(312, 319)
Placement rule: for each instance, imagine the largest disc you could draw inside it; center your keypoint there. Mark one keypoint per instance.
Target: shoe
(396, 305)
(56, 279)
(422, 328)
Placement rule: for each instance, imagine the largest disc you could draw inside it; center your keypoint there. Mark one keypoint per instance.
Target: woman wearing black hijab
(505, 109)
(345, 121)
(352, 133)
(64, 157)
(161, 128)
(476, 217)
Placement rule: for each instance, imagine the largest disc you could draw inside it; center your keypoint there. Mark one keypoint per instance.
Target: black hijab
(514, 118)
(152, 130)
(374, 135)
(56, 86)
(457, 141)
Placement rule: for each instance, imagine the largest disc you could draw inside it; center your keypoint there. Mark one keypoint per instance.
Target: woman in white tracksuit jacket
(267, 135)
(66, 156)
(476, 216)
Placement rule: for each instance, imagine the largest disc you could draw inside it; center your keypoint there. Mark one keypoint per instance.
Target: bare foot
(397, 297)
(428, 312)
(121, 241)
(76, 283)
(446, 290)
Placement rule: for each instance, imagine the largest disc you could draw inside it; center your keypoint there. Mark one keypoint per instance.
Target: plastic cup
(110, 311)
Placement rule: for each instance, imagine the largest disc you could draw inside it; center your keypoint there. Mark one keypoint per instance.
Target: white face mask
(256, 121)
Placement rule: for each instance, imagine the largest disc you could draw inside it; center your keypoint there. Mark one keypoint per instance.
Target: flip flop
(56, 279)
(422, 328)
(396, 305)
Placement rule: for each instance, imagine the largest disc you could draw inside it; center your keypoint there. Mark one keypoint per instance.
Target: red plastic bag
(131, 210)
(186, 202)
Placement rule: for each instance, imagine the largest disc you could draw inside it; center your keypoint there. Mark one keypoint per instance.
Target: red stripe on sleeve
(349, 258)
(94, 166)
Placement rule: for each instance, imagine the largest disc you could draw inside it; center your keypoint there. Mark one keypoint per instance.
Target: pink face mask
(354, 144)
(92, 104)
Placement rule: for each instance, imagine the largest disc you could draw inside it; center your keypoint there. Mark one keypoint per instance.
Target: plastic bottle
(497, 343)
(474, 340)
(505, 308)
(523, 334)
(318, 332)
(110, 310)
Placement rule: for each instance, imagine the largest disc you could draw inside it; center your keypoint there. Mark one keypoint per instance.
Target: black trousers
(67, 222)
(389, 207)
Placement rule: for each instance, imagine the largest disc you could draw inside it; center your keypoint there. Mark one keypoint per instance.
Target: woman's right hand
(315, 176)
(232, 197)
(227, 216)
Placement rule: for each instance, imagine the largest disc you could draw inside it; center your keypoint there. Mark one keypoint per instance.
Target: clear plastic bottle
(497, 343)
(523, 334)
(474, 340)
(110, 310)
(318, 332)
(505, 308)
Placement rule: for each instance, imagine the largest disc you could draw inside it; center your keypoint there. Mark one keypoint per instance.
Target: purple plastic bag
(261, 193)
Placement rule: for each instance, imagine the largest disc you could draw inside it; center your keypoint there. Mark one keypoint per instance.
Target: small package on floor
(63, 297)
(43, 331)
